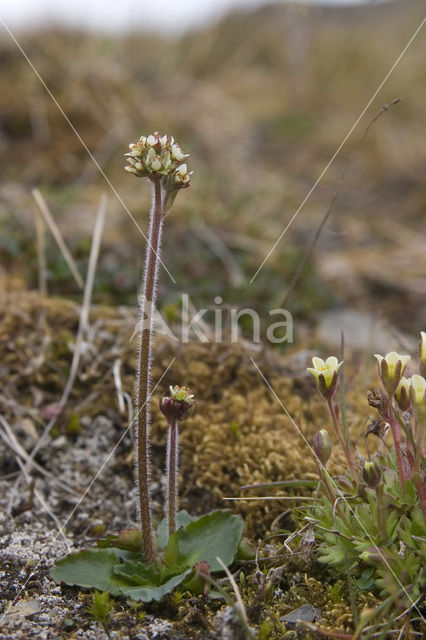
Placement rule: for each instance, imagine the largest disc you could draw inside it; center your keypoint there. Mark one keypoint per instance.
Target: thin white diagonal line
(337, 488)
(80, 139)
(95, 477)
(339, 148)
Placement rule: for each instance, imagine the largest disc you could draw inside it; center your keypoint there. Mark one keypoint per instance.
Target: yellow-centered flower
(325, 374)
(391, 367)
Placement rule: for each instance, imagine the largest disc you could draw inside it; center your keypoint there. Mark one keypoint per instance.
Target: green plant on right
(385, 552)
(370, 523)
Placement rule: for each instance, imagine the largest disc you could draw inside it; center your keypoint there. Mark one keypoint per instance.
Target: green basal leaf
(101, 569)
(216, 534)
(182, 519)
(92, 568)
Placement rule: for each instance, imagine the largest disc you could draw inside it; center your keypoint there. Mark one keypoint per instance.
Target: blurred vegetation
(262, 101)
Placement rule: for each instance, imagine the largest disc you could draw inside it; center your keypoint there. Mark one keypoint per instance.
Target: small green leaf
(182, 519)
(366, 581)
(214, 535)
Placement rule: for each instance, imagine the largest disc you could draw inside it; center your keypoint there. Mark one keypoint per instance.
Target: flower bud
(179, 405)
(418, 397)
(373, 556)
(200, 582)
(156, 164)
(422, 353)
(129, 540)
(322, 446)
(402, 394)
(371, 474)
(325, 374)
(177, 153)
(391, 367)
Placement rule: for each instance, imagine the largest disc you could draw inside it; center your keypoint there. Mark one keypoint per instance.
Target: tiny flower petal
(418, 389)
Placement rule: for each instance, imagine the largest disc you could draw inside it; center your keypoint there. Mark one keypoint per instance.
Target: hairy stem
(172, 473)
(143, 387)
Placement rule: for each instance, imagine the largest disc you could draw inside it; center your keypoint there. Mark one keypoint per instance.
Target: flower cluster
(408, 392)
(159, 156)
(375, 515)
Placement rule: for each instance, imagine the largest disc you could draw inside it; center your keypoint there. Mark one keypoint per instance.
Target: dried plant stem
(143, 386)
(172, 473)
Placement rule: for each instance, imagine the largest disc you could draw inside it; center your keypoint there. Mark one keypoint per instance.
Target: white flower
(177, 153)
(326, 369)
(156, 164)
(391, 367)
(325, 374)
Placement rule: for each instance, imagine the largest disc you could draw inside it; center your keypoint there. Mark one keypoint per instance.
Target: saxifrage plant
(372, 521)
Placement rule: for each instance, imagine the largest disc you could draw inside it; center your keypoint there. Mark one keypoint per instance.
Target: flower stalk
(159, 159)
(391, 368)
(326, 377)
(147, 303)
(344, 443)
(177, 406)
(172, 473)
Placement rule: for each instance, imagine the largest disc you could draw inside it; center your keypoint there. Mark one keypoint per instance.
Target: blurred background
(261, 95)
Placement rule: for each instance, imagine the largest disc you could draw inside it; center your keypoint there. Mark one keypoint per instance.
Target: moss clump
(217, 458)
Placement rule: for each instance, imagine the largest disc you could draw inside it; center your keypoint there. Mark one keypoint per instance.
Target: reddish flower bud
(179, 405)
